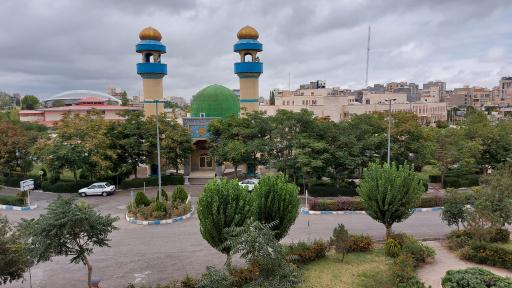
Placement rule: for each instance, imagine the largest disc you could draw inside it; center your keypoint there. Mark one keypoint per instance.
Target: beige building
(340, 104)
(477, 97)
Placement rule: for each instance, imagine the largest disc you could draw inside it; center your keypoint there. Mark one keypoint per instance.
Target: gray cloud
(49, 46)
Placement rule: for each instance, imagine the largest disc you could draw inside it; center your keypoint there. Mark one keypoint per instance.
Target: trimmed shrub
(430, 201)
(500, 235)
(359, 243)
(165, 197)
(322, 189)
(141, 199)
(65, 186)
(159, 206)
(303, 253)
(461, 181)
(419, 252)
(489, 254)
(338, 204)
(11, 200)
(179, 196)
(392, 248)
(276, 201)
(474, 278)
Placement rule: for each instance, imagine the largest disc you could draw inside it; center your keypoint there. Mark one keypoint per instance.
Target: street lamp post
(158, 150)
(389, 130)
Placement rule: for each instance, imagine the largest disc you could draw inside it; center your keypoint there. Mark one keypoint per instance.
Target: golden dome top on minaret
(150, 33)
(248, 32)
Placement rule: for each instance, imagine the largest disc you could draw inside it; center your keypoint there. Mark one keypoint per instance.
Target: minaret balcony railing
(248, 67)
(151, 68)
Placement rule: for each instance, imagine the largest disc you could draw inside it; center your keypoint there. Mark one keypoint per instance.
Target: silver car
(99, 188)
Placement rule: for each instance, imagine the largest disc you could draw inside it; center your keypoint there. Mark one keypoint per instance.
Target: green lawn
(359, 270)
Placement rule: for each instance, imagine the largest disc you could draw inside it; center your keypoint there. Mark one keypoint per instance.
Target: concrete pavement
(156, 254)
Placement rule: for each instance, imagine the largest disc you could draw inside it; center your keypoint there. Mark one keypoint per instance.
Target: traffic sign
(26, 185)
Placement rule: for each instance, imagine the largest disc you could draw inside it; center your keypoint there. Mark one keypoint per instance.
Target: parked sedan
(249, 183)
(100, 188)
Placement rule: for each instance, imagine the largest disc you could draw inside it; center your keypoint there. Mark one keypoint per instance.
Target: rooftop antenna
(367, 57)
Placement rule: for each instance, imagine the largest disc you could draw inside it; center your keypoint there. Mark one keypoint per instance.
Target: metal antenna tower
(367, 57)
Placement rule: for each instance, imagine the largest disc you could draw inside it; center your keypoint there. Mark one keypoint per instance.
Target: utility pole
(389, 130)
(367, 57)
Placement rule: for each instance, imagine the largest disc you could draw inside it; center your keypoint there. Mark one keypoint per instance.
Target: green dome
(215, 101)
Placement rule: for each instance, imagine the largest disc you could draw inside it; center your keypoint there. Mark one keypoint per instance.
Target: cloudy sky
(50, 46)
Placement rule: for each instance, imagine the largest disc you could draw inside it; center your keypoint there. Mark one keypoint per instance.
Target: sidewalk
(446, 260)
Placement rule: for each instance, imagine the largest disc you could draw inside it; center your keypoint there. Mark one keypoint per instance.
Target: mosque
(212, 102)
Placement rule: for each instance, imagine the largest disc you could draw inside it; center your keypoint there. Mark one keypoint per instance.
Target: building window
(202, 115)
(205, 161)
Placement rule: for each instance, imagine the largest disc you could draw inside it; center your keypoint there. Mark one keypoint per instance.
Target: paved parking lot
(155, 254)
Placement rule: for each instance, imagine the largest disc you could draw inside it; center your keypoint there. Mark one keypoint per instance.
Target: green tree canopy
(14, 260)
(389, 193)
(29, 102)
(69, 228)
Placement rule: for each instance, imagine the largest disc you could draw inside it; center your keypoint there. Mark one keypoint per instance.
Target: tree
(276, 200)
(455, 211)
(127, 140)
(14, 260)
(495, 199)
(29, 102)
(223, 204)
(69, 228)
(272, 99)
(389, 193)
(15, 145)
(340, 239)
(124, 99)
(175, 141)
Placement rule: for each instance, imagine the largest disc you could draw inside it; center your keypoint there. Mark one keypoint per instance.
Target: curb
(306, 211)
(18, 208)
(132, 220)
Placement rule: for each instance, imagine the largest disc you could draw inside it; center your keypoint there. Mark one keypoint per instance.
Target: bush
(474, 278)
(141, 199)
(159, 206)
(276, 201)
(322, 189)
(165, 197)
(303, 253)
(461, 181)
(243, 276)
(179, 196)
(359, 243)
(340, 239)
(11, 200)
(66, 186)
(392, 248)
(459, 239)
(500, 235)
(151, 181)
(489, 254)
(434, 178)
(403, 269)
(419, 252)
(430, 201)
(338, 204)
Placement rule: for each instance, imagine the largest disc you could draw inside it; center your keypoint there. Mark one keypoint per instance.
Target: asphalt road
(156, 254)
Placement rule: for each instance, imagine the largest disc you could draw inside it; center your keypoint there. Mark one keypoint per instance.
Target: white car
(99, 188)
(249, 183)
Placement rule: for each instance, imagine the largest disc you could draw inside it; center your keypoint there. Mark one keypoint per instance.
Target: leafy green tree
(14, 260)
(495, 199)
(30, 102)
(175, 141)
(223, 204)
(276, 200)
(389, 193)
(455, 211)
(69, 228)
(127, 140)
(15, 144)
(124, 99)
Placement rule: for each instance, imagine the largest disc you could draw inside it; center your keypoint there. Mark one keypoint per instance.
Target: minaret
(249, 68)
(151, 69)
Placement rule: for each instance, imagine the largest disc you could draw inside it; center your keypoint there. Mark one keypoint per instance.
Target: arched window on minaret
(248, 57)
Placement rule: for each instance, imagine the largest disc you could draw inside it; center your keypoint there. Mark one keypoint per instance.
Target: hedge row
(356, 204)
(14, 181)
(152, 181)
(11, 200)
(65, 186)
(320, 189)
(489, 254)
(461, 181)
